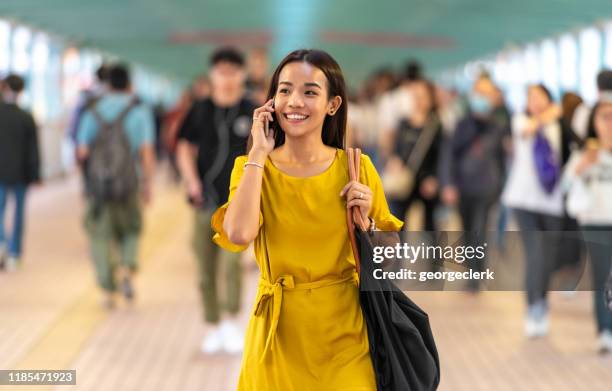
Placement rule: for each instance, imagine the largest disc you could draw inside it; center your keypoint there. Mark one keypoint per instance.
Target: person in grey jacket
(19, 166)
(473, 164)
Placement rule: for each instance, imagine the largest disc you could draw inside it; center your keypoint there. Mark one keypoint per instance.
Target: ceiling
(176, 36)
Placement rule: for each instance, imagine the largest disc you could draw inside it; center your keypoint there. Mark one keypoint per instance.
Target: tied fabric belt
(274, 291)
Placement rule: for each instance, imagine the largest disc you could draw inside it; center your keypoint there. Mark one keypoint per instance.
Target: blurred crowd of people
(548, 167)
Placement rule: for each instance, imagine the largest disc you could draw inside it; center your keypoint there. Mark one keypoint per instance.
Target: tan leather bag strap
(353, 215)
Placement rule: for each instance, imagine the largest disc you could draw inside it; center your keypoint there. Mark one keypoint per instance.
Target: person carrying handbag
(411, 172)
(289, 196)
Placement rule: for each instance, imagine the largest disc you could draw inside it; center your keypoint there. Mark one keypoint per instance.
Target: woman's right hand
(531, 127)
(588, 158)
(260, 115)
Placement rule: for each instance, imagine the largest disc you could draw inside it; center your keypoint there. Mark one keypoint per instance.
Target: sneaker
(11, 264)
(107, 301)
(213, 342)
(233, 338)
(536, 327)
(127, 289)
(605, 342)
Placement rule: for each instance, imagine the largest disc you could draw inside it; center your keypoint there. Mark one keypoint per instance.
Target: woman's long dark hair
(334, 127)
(591, 133)
(432, 114)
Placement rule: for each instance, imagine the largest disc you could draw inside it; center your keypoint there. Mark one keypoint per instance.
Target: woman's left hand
(358, 194)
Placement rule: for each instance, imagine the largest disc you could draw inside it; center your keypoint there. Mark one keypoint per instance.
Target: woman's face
(301, 101)
(227, 77)
(421, 97)
(537, 101)
(603, 124)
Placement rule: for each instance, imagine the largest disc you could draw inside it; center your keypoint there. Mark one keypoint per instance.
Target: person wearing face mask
(588, 179)
(542, 145)
(289, 196)
(473, 165)
(19, 166)
(213, 133)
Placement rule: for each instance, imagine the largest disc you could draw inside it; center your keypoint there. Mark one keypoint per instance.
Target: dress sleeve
(220, 237)
(385, 221)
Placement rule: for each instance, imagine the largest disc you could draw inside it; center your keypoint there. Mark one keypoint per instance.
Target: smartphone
(267, 124)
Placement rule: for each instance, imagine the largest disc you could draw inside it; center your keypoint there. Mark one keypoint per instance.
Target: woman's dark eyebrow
(310, 84)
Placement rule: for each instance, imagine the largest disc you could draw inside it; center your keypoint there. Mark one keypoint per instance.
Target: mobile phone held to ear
(267, 123)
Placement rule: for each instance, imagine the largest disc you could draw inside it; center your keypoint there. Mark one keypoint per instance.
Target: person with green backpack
(116, 137)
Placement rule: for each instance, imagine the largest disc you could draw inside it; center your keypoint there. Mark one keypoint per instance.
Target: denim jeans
(599, 244)
(13, 242)
(541, 252)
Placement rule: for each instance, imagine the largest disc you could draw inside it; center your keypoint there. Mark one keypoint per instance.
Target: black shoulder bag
(402, 347)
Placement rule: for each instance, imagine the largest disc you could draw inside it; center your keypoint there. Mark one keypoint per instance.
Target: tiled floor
(50, 317)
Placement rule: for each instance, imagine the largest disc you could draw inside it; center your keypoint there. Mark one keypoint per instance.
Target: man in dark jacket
(19, 166)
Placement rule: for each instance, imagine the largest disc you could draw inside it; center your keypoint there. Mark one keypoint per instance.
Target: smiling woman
(309, 83)
(307, 331)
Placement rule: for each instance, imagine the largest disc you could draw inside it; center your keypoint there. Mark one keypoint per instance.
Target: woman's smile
(295, 118)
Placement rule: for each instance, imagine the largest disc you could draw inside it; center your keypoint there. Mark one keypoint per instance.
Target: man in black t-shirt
(215, 132)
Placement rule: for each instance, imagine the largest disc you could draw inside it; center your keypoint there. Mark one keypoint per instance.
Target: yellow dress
(307, 332)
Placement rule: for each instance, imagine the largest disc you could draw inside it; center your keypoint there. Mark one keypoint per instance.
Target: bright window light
(568, 53)
(5, 53)
(590, 62)
(550, 66)
(21, 50)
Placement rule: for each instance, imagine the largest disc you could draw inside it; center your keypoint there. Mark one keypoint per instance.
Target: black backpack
(111, 167)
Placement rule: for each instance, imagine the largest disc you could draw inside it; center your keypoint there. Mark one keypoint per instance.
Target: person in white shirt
(588, 178)
(535, 197)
